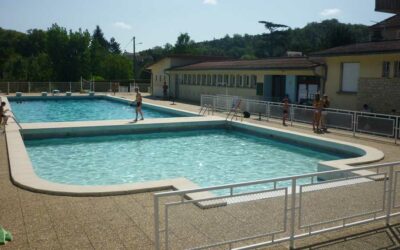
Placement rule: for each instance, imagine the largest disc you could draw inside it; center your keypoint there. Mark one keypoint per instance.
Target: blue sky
(156, 22)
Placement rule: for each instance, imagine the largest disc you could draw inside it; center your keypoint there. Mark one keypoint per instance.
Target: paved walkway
(40, 221)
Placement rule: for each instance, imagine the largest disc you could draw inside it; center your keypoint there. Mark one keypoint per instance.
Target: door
(278, 87)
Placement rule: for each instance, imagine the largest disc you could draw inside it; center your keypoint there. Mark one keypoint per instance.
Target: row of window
(240, 81)
(159, 78)
(386, 68)
(351, 74)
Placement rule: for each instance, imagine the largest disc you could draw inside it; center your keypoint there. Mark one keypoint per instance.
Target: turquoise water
(78, 110)
(207, 157)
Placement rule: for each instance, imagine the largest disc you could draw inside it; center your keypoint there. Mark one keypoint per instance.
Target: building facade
(365, 73)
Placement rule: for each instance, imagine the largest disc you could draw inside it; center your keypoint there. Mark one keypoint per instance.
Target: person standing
(324, 113)
(165, 90)
(285, 110)
(317, 104)
(138, 104)
(3, 116)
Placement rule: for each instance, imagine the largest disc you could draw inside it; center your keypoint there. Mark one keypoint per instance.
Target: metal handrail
(293, 196)
(348, 125)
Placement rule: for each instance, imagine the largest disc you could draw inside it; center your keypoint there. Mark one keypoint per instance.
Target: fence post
(268, 111)
(110, 89)
(214, 101)
(292, 213)
(70, 87)
(396, 129)
(389, 196)
(354, 123)
(291, 115)
(156, 223)
(8, 88)
(93, 86)
(49, 87)
(29, 87)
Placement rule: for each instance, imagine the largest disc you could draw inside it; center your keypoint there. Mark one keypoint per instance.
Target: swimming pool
(206, 157)
(63, 109)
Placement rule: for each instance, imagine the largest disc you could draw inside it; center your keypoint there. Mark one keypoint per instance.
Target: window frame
(386, 69)
(342, 83)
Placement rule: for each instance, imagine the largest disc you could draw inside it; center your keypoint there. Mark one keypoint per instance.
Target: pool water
(206, 157)
(52, 110)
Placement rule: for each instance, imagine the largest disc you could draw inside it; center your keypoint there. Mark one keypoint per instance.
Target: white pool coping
(23, 174)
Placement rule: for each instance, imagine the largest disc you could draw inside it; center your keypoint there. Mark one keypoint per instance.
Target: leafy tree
(271, 27)
(114, 46)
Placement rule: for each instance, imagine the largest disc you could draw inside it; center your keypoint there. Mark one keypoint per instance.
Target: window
(219, 80)
(232, 81)
(203, 79)
(185, 78)
(194, 79)
(246, 81)
(253, 81)
(214, 80)
(198, 79)
(397, 69)
(226, 80)
(385, 69)
(208, 79)
(398, 34)
(189, 81)
(350, 76)
(239, 81)
(156, 77)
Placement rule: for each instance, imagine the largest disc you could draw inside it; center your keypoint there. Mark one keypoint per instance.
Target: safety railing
(37, 87)
(266, 212)
(355, 122)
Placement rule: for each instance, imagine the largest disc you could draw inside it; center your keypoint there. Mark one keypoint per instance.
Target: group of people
(320, 105)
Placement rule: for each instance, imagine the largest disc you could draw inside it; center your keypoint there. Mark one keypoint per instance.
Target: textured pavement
(39, 221)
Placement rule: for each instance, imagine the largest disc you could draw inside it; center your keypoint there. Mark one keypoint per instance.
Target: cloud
(330, 12)
(122, 25)
(210, 2)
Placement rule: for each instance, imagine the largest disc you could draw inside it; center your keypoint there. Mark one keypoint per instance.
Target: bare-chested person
(138, 104)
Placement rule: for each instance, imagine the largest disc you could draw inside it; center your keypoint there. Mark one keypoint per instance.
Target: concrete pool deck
(41, 221)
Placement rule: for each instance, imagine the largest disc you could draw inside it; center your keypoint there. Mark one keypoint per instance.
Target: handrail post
(354, 123)
(29, 87)
(291, 115)
(292, 213)
(156, 223)
(396, 129)
(214, 101)
(389, 196)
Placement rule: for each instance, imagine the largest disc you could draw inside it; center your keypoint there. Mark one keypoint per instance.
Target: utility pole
(134, 58)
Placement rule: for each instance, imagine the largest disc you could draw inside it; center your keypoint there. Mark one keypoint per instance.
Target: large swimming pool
(206, 157)
(79, 109)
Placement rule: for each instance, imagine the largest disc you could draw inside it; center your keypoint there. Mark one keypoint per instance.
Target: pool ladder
(234, 111)
(204, 109)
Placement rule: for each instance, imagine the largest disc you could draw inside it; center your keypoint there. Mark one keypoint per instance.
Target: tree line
(60, 55)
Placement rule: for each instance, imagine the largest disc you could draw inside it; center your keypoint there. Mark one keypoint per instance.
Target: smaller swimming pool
(64, 109)
(206, 157)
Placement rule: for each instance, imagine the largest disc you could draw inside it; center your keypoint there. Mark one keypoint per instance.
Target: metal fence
(84, 86)
(266, 212)
(380, 125)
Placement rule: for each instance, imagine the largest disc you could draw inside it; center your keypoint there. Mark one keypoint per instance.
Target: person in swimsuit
(318, 105)
(138, 104)
(324, 113)
(285, 110)
(3, 116)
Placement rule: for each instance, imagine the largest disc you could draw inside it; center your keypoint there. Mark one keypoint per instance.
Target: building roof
(380, 47)
(194, 58)
(269, 63)
(393, 21)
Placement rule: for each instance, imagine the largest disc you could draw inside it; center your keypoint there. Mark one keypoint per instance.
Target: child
(138, 104)
(285, 110)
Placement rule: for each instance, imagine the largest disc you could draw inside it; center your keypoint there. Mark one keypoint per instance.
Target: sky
(157, 22)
